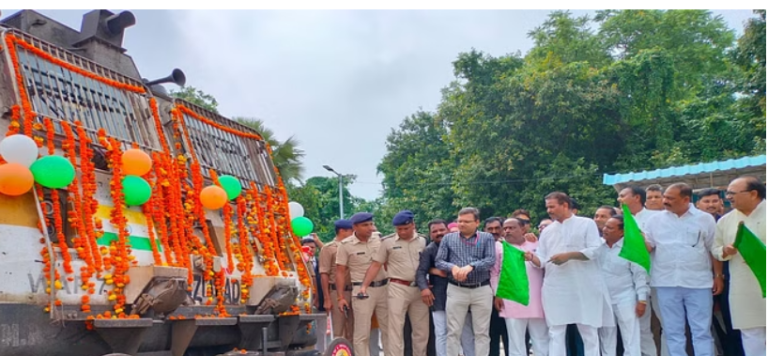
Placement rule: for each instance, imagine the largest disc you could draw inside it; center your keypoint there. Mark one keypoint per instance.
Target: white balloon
(19, 149)
(295, 209)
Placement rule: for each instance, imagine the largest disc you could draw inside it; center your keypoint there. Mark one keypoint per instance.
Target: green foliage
(197, 97)
(632, 90)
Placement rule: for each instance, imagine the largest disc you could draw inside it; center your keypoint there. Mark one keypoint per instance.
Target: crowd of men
(584, 299)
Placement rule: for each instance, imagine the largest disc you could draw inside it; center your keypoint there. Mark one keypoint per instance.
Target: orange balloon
(213, 197)
(15, 179)
(136, 162)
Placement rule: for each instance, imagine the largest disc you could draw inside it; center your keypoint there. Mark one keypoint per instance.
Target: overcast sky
(337, 80)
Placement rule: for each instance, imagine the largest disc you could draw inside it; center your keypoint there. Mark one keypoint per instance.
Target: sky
(337, 80)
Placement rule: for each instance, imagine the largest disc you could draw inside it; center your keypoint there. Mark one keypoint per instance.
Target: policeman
(356, 254)
(342, 322)
(400, 252)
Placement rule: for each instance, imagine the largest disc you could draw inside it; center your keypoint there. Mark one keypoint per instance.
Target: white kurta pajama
(681, 272)
(574, 292)
(745, 297)
(627, 284)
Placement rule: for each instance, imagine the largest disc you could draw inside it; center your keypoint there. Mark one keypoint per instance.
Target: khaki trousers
(404, 299)
(458, 302)
(342, 326)
(364, 308)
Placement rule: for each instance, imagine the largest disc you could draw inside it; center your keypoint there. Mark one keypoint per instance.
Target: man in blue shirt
(468, 256)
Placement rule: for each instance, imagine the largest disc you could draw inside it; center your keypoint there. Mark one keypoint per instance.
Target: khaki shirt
(401, 256)
(357, 256)
(328, 262)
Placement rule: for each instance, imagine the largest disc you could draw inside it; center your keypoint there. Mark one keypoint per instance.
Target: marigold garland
(227, 212)
(214, 124)
(90, 205)
(57, 221)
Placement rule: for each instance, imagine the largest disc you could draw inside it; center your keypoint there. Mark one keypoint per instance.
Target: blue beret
(404, 217)
(343, 224)
(361, 218)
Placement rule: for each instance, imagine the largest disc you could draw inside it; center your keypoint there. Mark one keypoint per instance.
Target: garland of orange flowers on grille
(246, 258)
(82, 243)
(119, 253)
(267, 222)
(221, 127)
(57, 221)
(227, 212)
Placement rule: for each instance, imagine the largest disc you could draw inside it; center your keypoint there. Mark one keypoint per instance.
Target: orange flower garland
(214, 124)
(13, 128)
(10, 40)
(57, 221)
(227, 222)
(89, 204)
(119, 250)
(26, 106)
(247, 258)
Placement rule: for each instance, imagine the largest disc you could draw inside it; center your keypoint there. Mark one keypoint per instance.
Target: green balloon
(53, 172)
(302, 226)
(231, 185)
(136, 190)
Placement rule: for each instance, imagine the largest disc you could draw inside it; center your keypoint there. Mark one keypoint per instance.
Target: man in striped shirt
(468, 256)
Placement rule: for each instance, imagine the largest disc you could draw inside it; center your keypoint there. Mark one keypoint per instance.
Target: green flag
(513, 281)
(753, 251)
(634, 249)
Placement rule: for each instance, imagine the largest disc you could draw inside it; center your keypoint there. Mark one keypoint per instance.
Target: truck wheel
(339, 347)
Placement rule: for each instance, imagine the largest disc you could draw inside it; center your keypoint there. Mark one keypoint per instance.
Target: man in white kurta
(628, 288)
(747, 197)
(635, 198)
(573, 291)
(681, 270)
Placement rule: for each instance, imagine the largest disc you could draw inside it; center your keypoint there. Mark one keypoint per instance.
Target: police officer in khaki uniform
(400, 251)
(342, 322)
(356, 254)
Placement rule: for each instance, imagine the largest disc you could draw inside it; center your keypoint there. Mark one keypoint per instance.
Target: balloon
(231, 185)
(15, 179)
(136, 162)
(295, 210)
(19, 149)
(53, 172)
(136, 190)
(302, 226)
(213, 197)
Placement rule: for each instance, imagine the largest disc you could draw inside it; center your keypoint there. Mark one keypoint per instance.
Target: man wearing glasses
(747, 196)
(468, 256)
(681, 239)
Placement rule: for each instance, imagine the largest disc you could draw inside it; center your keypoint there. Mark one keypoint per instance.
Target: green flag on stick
(634, 249)
(513, 281)
(753, 251)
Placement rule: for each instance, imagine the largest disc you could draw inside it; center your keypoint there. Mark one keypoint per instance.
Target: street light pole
(341, 190)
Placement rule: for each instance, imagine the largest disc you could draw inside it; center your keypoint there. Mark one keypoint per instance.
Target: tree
(286, 155)
(644, 90)
(197, 97)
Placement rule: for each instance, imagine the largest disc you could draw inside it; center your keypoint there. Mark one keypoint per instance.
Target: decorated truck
(132, 222)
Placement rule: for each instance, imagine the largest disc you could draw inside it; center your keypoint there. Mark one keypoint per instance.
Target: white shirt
(745, 296)
(573, 292)
(625, 280)
(643, 218)
(681, 256)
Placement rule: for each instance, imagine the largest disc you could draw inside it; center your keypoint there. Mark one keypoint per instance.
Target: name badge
(397, 247)
(360, 253)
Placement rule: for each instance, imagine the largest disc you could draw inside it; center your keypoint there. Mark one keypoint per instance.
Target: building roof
(700, 175)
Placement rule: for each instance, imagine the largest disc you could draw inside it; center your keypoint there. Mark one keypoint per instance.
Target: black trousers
(498, 331)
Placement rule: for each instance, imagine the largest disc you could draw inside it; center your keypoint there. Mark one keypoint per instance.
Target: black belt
(380, 283)
(470, 286)
(347, 287)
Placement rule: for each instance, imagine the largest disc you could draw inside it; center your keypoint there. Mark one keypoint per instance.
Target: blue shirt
(478, 251)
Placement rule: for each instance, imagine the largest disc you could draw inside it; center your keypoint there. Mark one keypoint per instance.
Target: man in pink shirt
(518, 317)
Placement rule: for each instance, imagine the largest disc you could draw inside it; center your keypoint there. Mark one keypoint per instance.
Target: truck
(132, 256)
